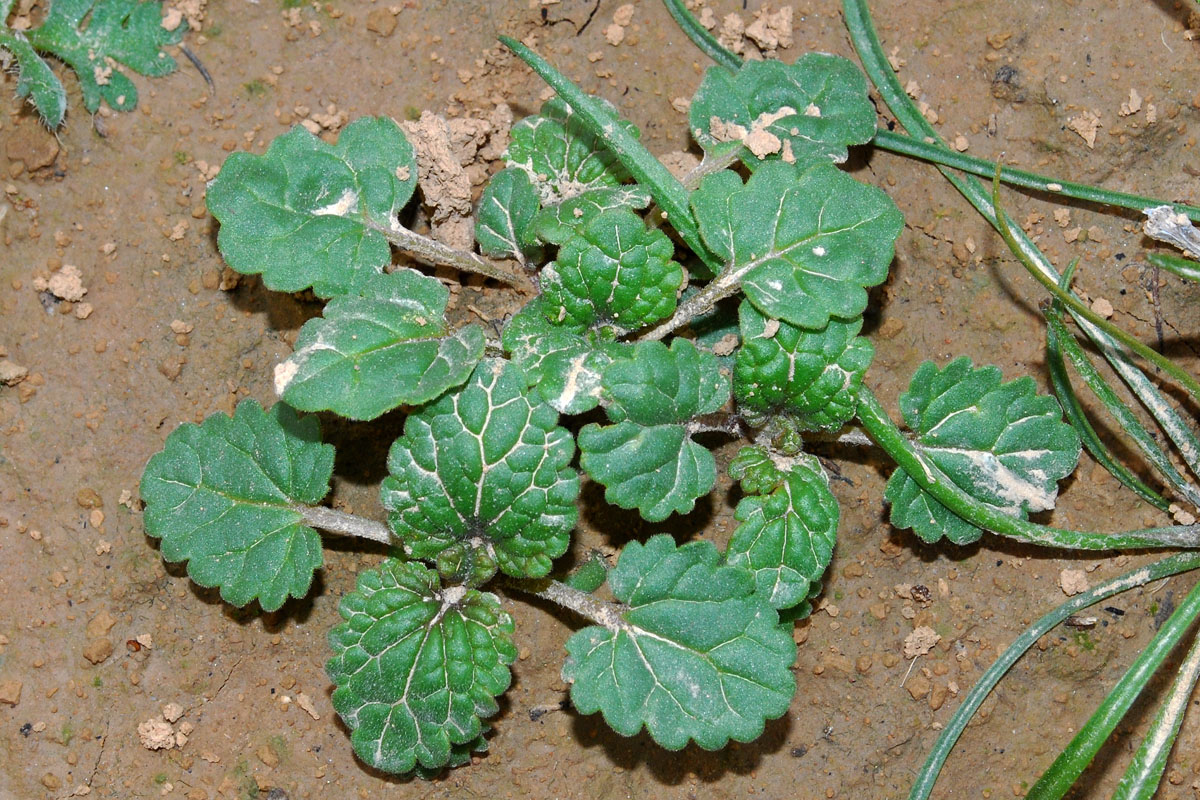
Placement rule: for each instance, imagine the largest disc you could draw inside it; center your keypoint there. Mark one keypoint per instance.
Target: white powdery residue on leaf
(344, 206)
(284, 373)
(989, 473)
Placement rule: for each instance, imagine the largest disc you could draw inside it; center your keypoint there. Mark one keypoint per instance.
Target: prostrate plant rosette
(94, 38)
(687, 641)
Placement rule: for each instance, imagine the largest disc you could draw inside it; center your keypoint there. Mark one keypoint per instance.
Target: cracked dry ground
(97, 634)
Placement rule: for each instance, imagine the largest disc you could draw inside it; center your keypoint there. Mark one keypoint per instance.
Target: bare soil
(97, 633)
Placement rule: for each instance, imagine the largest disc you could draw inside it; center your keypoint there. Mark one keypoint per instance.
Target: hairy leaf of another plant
(812, 375)
(648, 460)
(481, 479)
(807, 112)
(699, 656)
(561, 156)
(94, 38)
(565, 362)
(613, 271)
(803, 243)
(504, 225)
(560, 222)
(416, 666)
(310, 214)
(1001, 443)
(787, 533)
(385, 346)
(223, 496)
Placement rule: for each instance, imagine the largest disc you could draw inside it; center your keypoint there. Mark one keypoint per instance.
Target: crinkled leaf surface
(561, 156)
(504, 223)
(559, 222)
(648, 460)
(699, 656)
(812, 375)
(817, 106)
(222, 496)
(804, 244)
(755, 470)
(1001, 443)
(310, 214)
(484, 473)
(94, 38)
(384, 346)
(613, 271)
(416, 666)
(786, 536)
(565, 362)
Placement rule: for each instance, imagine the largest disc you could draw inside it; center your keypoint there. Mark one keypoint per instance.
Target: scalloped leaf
(94, 38)
(613, 271)
(222, 496)
(755, 470)
(806, 112)
(804, 244)
(648, 460)
(310, 214)
(481, 479)
(699, 656)
(562, 157)
(1001, 443)
(565, 363)
(559, 222)
(416, 666)
(504, 225)
(812, 375)
(786, 536)
(385, 346)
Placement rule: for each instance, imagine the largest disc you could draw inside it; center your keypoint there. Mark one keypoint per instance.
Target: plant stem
(340, 522)
(1078, 754)
(940, 154)
(926, 778)
(582, 603)
(880, 427)
(437, 254)
(724, 285)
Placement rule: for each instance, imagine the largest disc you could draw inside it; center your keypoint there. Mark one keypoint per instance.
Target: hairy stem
(921, 469)
(433, 252)
(340, 522)
(582, 603)
(724, 285)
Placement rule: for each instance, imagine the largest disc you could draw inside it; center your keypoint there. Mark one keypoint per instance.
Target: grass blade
(1178, 265)
(1074, 759)
(702, 37)
(926, 778)
(1078, 419)
(1141, 779)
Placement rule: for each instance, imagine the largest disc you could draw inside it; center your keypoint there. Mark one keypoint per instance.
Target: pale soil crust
(163, 343)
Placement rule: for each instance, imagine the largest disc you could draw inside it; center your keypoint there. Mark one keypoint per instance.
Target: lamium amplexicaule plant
(723, 306)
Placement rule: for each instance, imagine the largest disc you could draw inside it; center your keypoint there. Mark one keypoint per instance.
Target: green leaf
(559, 222)
(697, 657)
(481, 479)
(35, 79)
(613, 271)
(813, 375)
(807, 112)
(648, 460)
(1001, 443)
(786, 537)
(373, 351)
(95, 37)
(416, 666)
(223, 496)
(309, 214)
(804, 244)
(561, 156)
(504, 224)
(564, 362)
(755, 470)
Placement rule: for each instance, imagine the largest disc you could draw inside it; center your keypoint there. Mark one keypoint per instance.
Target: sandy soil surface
(98, 634)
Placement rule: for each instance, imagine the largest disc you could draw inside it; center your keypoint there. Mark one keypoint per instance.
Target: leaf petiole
(339, 522)
(607, 615)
